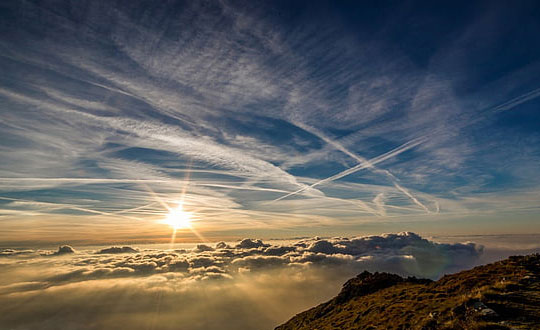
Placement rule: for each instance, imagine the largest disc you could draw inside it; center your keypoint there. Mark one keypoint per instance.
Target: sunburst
(178, 218)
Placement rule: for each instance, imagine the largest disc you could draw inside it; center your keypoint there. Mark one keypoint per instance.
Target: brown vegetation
(501, 295)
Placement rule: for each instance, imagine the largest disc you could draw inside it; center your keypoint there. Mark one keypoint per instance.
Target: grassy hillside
(502, 295)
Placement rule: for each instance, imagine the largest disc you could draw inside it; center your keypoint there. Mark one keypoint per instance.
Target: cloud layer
(231, 276)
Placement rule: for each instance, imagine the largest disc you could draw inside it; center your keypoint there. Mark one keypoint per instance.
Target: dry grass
(510, 287)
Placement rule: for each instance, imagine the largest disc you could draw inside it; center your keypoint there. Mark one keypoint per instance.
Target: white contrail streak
(331, 142)
(363, 162)
(379, 204)
(67, 206)
(517, 101)
(406, 192)
(363, 165)
(360, 159)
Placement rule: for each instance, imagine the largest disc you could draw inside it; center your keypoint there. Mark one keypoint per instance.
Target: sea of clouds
(247, 284)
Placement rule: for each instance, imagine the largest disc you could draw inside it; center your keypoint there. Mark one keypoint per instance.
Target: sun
(178, 218)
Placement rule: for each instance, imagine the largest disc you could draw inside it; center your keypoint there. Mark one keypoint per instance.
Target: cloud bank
(241, 279)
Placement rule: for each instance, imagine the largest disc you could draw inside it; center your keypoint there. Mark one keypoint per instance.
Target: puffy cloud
(205, 270)
(323, 259)
(333, 260)
(260, 261)
(404, 253)
(203, 248)
(197, 262)
(278, 250)
(178, 266)
(248, 243)
(62, 250)
(222, 245)
(65, 249)
(141, 266)
(323, 246)
(271, 280)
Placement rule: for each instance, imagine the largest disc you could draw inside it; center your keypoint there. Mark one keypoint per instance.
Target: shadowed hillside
(502, 295)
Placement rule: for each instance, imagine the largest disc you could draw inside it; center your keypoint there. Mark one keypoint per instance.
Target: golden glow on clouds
(178, 218)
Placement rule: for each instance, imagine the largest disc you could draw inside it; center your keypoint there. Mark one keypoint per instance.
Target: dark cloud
(62, 250)
(116, 249)
(203, 248)
(324, 259)
(222, 245)
(404, 253)
(248, 243)
(278, 250)
(178, 266)
(323, 246)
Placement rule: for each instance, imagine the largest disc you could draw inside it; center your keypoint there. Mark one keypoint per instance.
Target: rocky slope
(502, 295)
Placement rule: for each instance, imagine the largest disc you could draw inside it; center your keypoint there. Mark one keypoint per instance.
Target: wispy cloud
(98, 114)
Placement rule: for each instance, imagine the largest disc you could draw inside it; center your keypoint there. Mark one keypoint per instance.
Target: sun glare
(178, 218)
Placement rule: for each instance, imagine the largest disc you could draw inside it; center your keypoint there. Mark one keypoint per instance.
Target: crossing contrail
(363, 165)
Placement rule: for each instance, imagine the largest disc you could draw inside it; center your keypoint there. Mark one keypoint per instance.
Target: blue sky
(269, 119)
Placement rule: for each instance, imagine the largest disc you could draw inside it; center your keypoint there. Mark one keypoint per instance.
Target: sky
(267, 119)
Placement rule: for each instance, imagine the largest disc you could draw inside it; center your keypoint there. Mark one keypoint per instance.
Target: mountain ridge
(500, 295)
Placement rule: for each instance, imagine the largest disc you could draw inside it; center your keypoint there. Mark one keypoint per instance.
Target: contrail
(406, 192)
(517, 101)
(379, 203)
(70, 207)
(461, 121)
(363, 165)
(335, 144)
(360, 159)
(500, 108)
